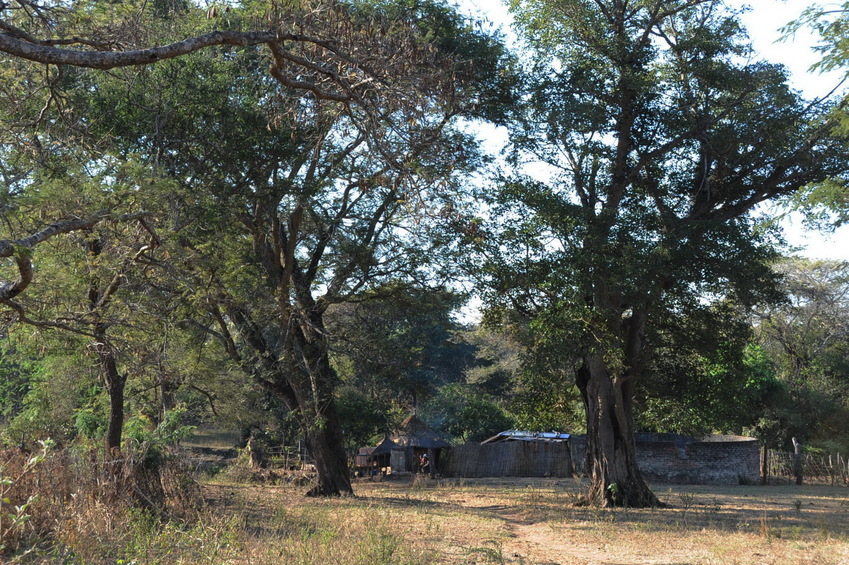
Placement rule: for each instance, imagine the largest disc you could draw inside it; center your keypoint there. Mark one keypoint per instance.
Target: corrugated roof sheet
(520, 435)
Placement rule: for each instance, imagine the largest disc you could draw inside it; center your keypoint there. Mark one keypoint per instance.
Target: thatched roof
(414, 433)
(385, 446)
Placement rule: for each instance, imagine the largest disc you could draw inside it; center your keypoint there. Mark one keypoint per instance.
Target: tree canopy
(653, 135)
(274, 203)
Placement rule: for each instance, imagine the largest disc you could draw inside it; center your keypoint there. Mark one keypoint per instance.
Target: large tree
(654, 137)
(299, 188)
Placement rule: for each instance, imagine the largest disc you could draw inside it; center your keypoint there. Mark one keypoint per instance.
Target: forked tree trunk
(299, 373)
(311, 401)
(611, 448)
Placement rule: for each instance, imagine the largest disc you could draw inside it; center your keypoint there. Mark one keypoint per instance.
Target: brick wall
(670, 458)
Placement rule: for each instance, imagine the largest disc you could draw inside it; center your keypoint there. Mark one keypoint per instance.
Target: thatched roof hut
(415, 439)
(376, 458)
(415, 433)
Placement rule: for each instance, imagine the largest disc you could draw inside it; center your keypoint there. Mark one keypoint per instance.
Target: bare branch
(47, 54)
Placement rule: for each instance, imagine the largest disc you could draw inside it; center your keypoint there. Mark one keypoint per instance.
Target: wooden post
(830, 470)
(765, 465)
(797, 460)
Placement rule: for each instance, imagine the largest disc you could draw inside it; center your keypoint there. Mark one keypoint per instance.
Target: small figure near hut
(424, 464)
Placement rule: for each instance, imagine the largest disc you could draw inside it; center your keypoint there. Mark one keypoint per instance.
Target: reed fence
(816, 469)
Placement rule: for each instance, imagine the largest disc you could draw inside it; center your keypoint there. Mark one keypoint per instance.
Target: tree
(466, 414)
(696, 361)
(89, 271)
(299, 191)
(654, 138)
(398, 343)
(806, 337)
(826, 204)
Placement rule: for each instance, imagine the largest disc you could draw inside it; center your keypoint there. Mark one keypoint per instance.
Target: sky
(763, 21)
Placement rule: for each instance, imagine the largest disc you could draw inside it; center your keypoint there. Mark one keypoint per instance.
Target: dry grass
(420, 521)
(533, 521)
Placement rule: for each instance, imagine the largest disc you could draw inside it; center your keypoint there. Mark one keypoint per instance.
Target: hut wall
(509, 459)
(398, 461)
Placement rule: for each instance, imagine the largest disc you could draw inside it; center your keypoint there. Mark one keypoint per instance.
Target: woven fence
(509, 459)
(816, 469)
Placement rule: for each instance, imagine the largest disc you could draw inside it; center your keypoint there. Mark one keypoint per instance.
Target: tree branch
(42, 52)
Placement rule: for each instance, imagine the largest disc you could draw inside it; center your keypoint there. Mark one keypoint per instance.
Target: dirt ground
(535, 521)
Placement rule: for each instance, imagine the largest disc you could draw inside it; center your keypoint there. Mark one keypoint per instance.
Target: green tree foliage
(400, 348)
(16, 374)
(826, 204)
(696, 361)
(362, 417)
(464, 413)
(652, 135)
(60, 385)
(398, 343)
(806, 337)
(294, 189)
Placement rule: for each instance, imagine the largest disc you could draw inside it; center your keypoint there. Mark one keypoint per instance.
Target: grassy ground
(530, 521)
(241, 516)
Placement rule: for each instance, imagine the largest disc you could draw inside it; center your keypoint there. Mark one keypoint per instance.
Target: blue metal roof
(520, 435)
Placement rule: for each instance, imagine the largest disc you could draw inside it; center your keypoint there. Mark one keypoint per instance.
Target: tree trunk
(325, 446)
(611, 447)
(115, 383)
(797, 461)
(298, 372)
(166, 395)
(314, 390)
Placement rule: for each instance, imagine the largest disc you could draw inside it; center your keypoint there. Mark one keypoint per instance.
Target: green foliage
(831, 24)
(58, 385)
(805, 340)
(699, 359)
(89, 424)
(153, 441)
(628, 245)
(825, 204)
(170, 431)
(362, 418)
(463, 413)
(16, 374)
(398, 342)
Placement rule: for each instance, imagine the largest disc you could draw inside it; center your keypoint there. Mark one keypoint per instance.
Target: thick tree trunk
(314, 387)
(325, 446)
(298, 371)
(611, 447)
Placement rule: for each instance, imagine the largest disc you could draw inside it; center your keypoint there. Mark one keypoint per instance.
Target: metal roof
(520, 435)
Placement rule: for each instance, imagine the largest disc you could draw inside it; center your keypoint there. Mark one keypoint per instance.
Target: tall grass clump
(79, 504)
